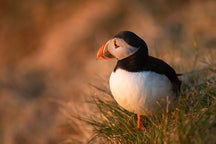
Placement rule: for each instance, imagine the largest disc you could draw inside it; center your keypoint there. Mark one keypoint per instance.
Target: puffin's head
(121, 46)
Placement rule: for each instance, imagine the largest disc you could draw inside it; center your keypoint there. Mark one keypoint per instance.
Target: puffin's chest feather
(139, 90)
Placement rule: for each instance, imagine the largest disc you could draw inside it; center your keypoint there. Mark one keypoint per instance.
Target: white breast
(140, 92)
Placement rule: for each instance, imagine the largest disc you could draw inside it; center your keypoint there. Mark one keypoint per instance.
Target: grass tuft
(193, 120)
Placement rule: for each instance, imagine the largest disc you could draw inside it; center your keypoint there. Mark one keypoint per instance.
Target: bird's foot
(141, 128)
(163, 116)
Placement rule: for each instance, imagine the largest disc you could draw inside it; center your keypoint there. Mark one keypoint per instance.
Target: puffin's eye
(116, 46)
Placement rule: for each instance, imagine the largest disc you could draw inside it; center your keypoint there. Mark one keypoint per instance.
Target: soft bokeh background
(48, 48)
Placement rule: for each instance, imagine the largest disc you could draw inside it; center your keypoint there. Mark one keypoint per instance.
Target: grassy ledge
(193, 120)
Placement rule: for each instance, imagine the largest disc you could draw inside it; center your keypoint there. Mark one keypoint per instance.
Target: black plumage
(141, 61)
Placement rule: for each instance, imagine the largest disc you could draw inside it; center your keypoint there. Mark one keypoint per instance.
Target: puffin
(139, 83)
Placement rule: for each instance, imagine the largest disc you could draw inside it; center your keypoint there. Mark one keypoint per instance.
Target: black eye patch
(116, 46)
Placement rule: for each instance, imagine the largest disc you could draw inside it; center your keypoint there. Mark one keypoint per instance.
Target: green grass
(193, 120)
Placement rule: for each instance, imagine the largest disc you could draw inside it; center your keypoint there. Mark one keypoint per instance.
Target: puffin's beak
(103, 52)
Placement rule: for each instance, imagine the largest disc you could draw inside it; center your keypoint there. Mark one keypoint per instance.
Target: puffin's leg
(163, 116)
(139, 122)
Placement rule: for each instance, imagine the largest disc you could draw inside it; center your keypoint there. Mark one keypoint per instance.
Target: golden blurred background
(48, 49)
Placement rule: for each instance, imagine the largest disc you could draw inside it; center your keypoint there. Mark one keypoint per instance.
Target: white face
(120, 49)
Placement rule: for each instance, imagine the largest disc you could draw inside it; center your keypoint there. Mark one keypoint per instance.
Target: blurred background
(48, 50)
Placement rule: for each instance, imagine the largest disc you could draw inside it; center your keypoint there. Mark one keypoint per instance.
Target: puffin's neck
(135, 62)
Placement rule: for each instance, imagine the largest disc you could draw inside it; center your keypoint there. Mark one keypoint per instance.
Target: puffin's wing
(161, 67)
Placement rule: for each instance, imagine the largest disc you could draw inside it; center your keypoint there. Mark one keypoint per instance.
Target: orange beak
(100, 53)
